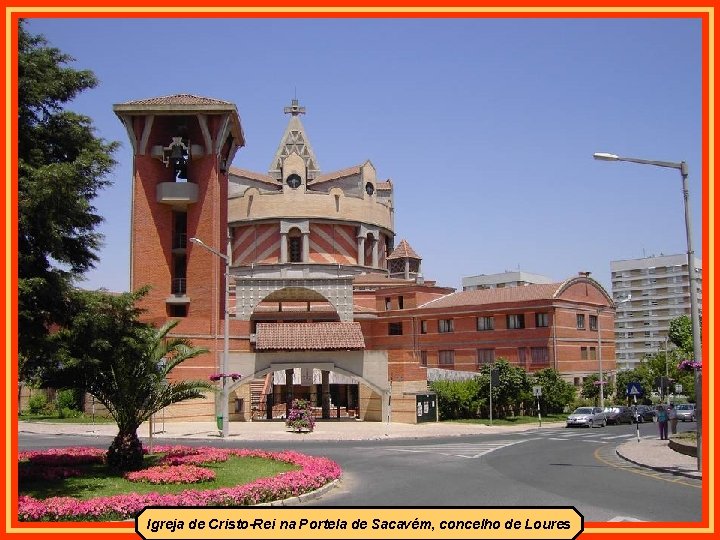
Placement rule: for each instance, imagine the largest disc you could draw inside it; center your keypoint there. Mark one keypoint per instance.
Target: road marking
(467, 451)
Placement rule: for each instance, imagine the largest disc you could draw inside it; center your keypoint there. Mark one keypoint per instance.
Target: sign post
(494, 378)
(634, 389)
(537, 392)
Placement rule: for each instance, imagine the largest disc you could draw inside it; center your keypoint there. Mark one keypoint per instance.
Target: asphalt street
(556, 466)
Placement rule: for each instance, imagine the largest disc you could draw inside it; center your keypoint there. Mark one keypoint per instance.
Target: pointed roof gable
(295, 140)
(404, 251)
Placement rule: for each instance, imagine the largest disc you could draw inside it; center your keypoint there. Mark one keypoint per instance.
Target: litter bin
(219, 422)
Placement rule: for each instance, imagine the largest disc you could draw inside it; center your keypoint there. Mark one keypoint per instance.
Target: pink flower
(172, 474)
(312, 473)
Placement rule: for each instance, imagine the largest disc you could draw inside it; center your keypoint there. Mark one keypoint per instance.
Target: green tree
(513, 390)
(62, 166)
(591, 388)
(680, 334)
(654, 366)
(457, 399)
(557, 393)
(124, 363)
(624, 378)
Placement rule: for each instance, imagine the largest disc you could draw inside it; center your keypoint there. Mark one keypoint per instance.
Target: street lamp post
(694, 307)
(226, 344)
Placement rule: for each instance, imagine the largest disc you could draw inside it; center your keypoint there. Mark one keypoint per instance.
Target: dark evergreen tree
(62, 165)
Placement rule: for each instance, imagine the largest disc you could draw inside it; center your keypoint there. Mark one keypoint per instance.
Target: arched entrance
(365, 370)
(303, 346)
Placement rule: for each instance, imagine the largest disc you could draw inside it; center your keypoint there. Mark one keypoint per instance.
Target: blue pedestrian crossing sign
(634, 389)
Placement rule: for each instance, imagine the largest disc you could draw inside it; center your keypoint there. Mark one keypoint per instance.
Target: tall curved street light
(226, 346)
(694, 307)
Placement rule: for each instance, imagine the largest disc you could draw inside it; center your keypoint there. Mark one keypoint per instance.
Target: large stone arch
(368, 367)
(250, 292)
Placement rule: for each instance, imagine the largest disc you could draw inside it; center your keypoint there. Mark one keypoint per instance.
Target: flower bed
(172, 474)
(57, 457)
(314, 473)
(194, 456)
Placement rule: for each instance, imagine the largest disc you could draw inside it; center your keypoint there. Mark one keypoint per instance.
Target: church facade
(296, 274)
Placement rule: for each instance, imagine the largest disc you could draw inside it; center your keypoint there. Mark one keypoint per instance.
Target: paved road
(556, 466)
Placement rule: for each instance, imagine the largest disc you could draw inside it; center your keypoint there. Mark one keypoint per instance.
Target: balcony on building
(178, 194)
(178, 292)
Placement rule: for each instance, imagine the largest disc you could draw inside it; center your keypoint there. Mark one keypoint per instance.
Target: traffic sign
(634, 389)
(537, 391)
(678, 388)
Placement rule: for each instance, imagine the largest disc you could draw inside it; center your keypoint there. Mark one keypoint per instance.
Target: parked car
(644, 413)
(619, 414)
(587, 416)
(685, 412)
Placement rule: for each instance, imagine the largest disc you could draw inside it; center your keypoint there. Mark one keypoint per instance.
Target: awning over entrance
(320, 336)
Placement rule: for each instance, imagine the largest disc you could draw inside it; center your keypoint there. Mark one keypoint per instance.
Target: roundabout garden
(75, 484)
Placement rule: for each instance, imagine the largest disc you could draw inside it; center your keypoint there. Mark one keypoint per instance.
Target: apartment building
(649, 293)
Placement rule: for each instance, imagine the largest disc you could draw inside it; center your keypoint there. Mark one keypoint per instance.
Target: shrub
(457, 399)
(66, 412)
(38, 404)
(172, 474)
(300, 417)
(67, 399)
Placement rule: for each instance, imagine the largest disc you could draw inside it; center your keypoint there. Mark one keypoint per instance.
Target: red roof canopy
(309, 336)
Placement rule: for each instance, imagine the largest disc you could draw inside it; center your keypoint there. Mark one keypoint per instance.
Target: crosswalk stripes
(593, 435)
(476, 450)
(461, 450)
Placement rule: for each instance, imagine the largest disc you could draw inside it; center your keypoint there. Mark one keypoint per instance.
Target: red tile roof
(309, 336)
(337, 174)
(384, 185)
(243, 173)
(179, 99)
(543, 291)
(403, 250)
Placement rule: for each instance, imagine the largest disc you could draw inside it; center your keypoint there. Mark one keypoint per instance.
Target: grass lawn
(98, 481)
(512, 420)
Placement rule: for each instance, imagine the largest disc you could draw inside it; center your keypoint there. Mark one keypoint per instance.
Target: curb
(682, 448)
(292, 501)
(657, 468)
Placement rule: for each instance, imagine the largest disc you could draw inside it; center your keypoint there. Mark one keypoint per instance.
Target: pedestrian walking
(662, 418)
(672, 418)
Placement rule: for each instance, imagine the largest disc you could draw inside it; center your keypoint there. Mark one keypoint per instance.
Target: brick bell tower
(182, 148)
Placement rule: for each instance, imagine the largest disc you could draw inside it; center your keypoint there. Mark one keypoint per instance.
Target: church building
(295, 274)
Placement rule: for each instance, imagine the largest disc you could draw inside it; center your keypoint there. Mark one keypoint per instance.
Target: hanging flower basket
(689, 365)
(215, 377)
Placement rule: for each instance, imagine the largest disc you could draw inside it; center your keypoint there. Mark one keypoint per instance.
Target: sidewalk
(648, 452)
(656, 454)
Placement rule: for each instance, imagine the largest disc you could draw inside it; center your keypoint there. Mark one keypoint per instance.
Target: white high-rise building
(659, 291)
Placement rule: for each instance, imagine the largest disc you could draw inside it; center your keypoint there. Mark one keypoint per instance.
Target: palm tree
(143, 390)
(124, 363)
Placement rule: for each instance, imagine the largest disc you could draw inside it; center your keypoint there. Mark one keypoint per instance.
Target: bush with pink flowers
(194, 456)
(312, 473)
(172, 474)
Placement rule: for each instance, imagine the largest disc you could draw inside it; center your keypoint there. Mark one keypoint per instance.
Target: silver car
(685, 412)
(587, 416)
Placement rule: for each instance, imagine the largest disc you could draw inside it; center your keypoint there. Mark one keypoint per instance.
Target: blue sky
(486, 126)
